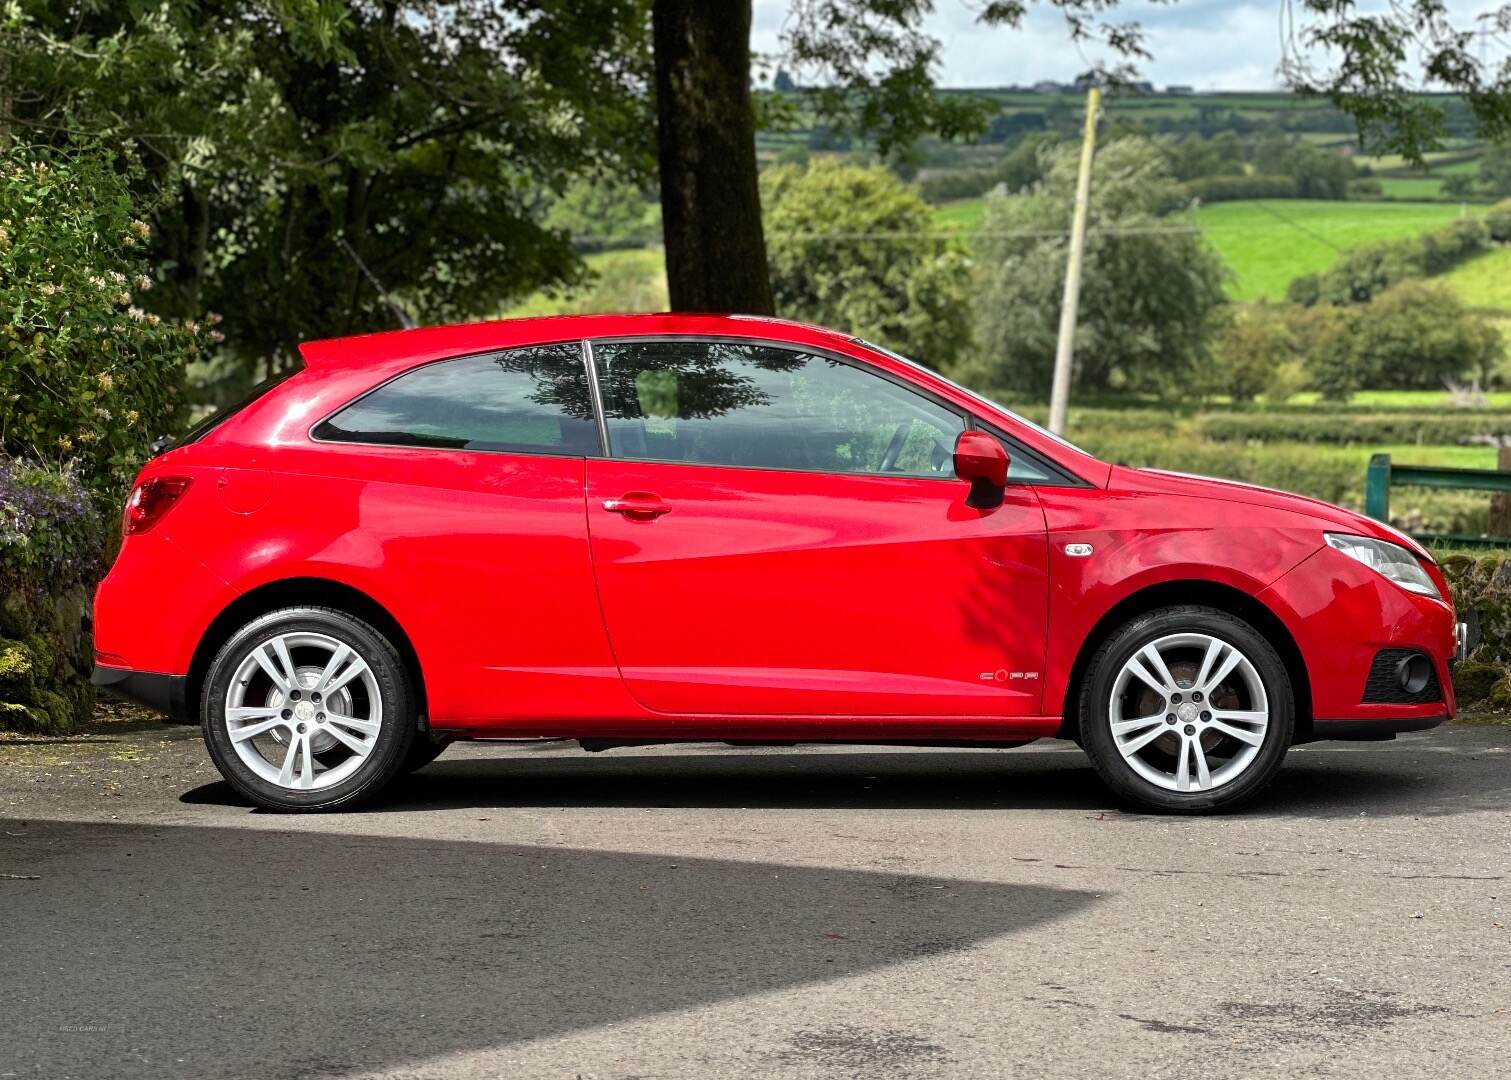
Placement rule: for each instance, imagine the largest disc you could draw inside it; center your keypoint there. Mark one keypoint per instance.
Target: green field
(1484, 281)
(1411, 187)
(1268, 244)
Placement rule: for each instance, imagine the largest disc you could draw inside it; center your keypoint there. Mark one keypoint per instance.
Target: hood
(1328, 517)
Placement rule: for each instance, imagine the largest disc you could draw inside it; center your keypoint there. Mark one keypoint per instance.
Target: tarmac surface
(531, 910)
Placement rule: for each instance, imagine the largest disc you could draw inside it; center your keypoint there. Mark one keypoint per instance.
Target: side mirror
(981, 461)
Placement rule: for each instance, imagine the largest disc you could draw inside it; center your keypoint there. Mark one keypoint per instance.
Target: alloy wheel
(303, 710)
(1189, 712)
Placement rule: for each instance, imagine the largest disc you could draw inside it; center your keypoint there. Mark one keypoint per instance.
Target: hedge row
(1438, 429)
(52, 548)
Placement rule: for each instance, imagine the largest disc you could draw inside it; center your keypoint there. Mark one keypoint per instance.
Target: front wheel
(308, 709)
(1187, 709)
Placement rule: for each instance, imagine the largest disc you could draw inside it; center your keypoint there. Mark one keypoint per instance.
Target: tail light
(150, 500)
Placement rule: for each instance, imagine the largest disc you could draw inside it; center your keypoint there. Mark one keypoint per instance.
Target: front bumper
(1342, 615)
(166, 694)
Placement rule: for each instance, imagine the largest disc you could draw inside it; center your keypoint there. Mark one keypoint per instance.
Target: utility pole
(1059, 396)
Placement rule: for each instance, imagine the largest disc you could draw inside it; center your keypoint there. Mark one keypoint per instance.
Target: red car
(629, 529)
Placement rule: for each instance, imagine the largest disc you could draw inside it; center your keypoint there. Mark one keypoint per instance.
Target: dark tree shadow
(212, 952)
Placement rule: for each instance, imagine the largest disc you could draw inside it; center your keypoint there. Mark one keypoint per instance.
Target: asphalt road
(535, 911)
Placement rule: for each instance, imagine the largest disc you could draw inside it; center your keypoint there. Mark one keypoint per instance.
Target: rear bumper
(166, 694)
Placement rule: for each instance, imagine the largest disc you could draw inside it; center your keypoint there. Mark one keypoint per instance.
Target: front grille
(1383, 687)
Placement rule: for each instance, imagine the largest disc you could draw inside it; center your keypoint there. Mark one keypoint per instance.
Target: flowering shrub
(52, 550)
(88, 377)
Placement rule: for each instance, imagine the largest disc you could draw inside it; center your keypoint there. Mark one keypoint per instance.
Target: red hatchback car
(627, 529)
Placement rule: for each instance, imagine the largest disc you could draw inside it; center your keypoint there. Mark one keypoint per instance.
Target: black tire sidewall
(1096, 733)
(394, 739)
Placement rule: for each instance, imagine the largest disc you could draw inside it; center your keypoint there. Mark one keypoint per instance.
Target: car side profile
(628, 529)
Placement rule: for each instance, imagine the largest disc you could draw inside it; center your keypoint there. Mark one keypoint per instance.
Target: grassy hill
(1266, 244)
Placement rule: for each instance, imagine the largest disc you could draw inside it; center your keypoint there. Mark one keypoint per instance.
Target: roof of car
(438, 341)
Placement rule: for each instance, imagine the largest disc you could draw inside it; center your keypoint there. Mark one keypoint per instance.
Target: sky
(1208, 44)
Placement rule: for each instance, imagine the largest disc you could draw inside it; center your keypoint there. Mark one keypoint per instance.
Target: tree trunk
(705, 124)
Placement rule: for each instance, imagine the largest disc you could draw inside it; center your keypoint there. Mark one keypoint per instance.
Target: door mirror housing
(982, 462)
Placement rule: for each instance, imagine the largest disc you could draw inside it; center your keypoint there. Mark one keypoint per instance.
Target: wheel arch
(1192, 591)
(300, 592)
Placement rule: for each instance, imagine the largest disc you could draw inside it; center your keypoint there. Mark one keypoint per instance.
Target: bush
(1212, 189)
(1330, 477)
(603, 216)
(851, 247)
(1363, 272)
(1417, 333)
(1286, 380)
(1439, 428)
(1366, 188)
(1248, 350)
(87, 377)
(52, 550)
(1498, 222)
(1324, 338)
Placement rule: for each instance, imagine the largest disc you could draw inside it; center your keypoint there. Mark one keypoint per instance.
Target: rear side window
(531, 400)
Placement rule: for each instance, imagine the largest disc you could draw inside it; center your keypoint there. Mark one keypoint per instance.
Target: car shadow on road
(1313, 784)
(216, 952)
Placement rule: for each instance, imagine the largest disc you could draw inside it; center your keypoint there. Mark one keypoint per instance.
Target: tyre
(1186, 709)
(308, 709)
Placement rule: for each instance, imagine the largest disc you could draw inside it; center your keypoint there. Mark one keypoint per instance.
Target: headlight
(1390, 560)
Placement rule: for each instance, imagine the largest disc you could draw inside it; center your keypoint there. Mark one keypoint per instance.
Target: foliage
(868, 67)
(52, 548)
(604, 216)
(1324, 337)
(1482, 583)
(1248, 350)
(1286, 380)
(51, 534)
(1418, 333)
(1318, 173)
(1364, 271)
(88, 376)
(850, 247)
(1149, 286)
(1213, 189)
(1495, 169)
(1498, 222)
(1019, 169)
(296, 139)
(1369, 65)
(1352, 429)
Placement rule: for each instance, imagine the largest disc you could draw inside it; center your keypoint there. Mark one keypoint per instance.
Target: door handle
(637, 505)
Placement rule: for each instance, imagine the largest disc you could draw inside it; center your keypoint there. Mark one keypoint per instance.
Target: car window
(532, 400)
(725, 403)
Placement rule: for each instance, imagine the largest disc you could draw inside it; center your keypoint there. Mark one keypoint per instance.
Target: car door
(780, 532)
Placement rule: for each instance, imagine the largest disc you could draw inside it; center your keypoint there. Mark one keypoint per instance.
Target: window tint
(719, 403)
(533, 400)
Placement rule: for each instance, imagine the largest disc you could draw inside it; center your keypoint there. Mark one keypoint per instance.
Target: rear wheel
(308, 709)
(1186, 709)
